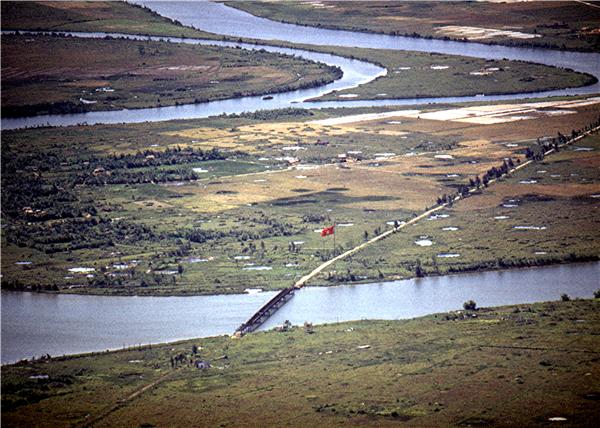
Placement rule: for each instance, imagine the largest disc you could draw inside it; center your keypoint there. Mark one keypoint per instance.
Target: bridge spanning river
(266, 311)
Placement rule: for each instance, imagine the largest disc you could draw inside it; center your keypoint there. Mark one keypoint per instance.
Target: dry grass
(482, 115)
(260, 137)
(361, 182)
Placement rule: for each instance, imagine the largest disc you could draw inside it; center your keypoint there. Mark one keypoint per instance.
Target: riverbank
(368, 376)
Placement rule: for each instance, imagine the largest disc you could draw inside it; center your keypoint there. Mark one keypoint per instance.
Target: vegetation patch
(151, 196)
(526, 364)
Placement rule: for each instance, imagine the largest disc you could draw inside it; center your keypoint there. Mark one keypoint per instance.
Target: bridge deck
(266, 311)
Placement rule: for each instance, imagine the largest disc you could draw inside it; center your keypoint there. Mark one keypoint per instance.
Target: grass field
(511, 366)
(557, 25)
(44, 74)
(250, 217)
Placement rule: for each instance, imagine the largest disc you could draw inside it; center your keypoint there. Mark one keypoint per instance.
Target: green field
(556, 25)
(211, 206)
(511, 366)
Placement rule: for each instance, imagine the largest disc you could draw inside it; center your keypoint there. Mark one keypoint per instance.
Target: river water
(221, 19)
(35, 324)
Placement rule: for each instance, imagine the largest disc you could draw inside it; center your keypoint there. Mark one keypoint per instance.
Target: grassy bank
(556, 25)
(44, 74)
(525, 364)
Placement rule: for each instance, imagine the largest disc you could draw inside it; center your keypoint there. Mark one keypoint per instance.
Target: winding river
(35, 324)
(220, 19)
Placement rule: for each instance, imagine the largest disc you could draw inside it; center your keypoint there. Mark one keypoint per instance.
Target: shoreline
(373, 281)
(175, 342)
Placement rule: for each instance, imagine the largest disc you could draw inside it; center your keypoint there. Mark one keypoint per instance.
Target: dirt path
(302, 281)
(125, 401)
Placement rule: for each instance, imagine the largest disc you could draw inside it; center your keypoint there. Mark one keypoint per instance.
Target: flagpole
(334, 238)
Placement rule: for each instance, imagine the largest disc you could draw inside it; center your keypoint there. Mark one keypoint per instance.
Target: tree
(180, 269)
(597, 294)
(470, 305)
(565, 297)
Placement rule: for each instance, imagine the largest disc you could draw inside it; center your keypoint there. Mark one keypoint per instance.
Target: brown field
(411, 193)
(411, 180)
(113, 74)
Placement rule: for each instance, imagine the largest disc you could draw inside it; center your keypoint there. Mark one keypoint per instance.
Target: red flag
(328, 231)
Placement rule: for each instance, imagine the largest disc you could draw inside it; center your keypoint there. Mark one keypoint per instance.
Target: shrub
(565, 297)
(470, 305)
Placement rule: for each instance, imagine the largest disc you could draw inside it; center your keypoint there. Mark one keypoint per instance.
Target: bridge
(266, 311)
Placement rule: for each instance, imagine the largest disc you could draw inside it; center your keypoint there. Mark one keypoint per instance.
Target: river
(35, 324)
(220, 19)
